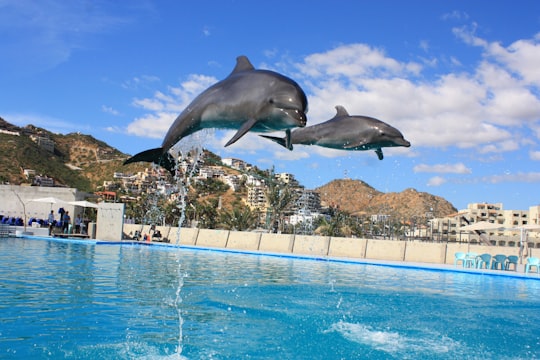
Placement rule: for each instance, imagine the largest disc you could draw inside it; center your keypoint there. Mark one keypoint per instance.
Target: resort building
(508, 234)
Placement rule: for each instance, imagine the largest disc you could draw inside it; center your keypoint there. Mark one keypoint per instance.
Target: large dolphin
(346, 132)
(246, 100)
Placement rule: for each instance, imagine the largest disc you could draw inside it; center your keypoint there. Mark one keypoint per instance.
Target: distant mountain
(83, 162)
(358, 198)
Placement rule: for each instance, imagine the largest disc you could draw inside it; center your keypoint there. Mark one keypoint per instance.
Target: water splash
(187, 154)
(394, 343)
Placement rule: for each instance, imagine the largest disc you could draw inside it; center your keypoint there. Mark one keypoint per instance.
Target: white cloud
(483, 110)
(109, 110)
(355, 61)
(534, 155)
(162, 108)
(436, 181)
(520, 177)
(455, 15)
(144, 81)
(458, 168)
(503, 146)
(153, 125)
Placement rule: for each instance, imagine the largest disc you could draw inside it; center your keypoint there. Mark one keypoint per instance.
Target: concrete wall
(347, 247)
(241, 240)
(425, 252)
(15, 199)
(386, 250)
(323, 246)
(110, 220)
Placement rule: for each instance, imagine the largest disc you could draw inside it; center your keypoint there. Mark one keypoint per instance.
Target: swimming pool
(71, 300)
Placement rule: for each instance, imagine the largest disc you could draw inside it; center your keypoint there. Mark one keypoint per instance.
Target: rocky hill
(84, 162)
(358, 198)
(77, 160)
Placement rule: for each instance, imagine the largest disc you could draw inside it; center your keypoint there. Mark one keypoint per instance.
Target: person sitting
(157, 234)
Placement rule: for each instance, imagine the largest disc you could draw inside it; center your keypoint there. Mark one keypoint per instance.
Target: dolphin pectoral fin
(379, 153)
(155, 156)
(242, 131)
(288, 143)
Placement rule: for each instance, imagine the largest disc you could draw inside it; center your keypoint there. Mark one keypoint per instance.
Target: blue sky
(459, 79)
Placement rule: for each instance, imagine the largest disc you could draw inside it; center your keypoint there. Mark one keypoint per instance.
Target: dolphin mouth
(298, 115)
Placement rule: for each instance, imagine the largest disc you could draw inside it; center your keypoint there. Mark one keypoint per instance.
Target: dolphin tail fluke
(379, 153)
(156, 156)
(280, 141)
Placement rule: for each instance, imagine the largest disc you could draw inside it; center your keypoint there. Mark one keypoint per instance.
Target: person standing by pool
(78, 224)
(51, 222)
(65, 222)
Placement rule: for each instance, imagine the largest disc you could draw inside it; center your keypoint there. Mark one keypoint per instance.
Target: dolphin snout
(404, 142)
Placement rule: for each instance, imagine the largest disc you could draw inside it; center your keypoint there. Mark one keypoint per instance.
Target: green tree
(279, 198)
(337, 225)
(239, 219)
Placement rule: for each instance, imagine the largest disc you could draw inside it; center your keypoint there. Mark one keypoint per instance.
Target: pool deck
(519, 273)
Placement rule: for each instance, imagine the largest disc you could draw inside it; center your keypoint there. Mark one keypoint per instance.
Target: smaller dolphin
(246, 100)
(346, 132)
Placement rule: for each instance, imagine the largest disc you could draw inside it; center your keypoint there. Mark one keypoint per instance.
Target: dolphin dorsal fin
(341, 111)
(242, 64)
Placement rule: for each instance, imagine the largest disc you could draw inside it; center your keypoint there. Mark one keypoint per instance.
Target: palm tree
(279, 198)
(239, 219)
(337, 225)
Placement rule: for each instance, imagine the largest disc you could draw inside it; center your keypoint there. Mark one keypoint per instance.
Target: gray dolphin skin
(346, 132)
(246, 100)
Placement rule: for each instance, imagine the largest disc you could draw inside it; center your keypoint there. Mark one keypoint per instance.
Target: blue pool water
(70, 300)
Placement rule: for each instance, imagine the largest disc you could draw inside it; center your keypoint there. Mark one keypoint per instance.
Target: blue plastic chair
(498, 260)
(532, 261)
(483, 261)
(470, 260)
(459, 256)
(512, 260)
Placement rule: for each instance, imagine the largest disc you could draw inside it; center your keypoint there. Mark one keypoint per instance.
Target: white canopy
(481, 225)
(84, 204)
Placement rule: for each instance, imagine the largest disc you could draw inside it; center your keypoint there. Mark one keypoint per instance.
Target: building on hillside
(7, 132)
(211, 172)
(235, 163)
(287, 178)
(253, 181)
(304, 217)
(309, 200)
(43, 142)
(510, 221)
(256, 198)
(40, 180)
(233, 181)
(29, 173)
